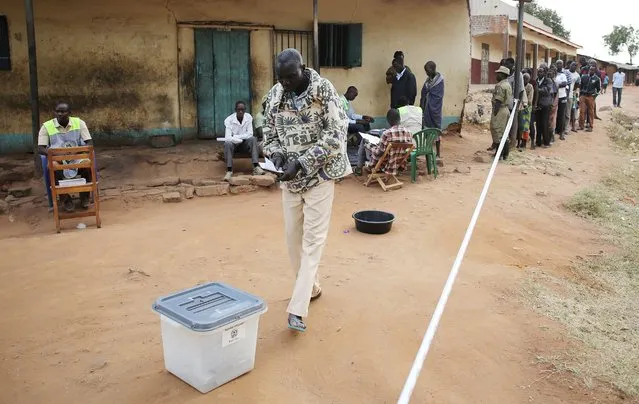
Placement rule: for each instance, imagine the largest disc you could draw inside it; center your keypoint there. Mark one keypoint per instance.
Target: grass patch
(593, 203)
(624, 131)
(599, 305)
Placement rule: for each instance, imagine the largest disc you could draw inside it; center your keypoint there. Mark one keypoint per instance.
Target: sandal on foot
(296, 323)
(317, 292)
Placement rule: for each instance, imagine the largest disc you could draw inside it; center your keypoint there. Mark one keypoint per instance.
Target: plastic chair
(424, 142)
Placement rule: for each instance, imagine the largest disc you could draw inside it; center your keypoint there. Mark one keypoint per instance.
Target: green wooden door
(222, 77)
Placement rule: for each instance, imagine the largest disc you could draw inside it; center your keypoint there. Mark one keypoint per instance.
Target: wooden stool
(395, 155)
(56, 155)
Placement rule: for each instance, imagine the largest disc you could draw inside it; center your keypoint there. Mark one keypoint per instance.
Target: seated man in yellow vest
(411, 116)
(66, 131)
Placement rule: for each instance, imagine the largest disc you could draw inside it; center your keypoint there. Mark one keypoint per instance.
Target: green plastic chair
(424, 141)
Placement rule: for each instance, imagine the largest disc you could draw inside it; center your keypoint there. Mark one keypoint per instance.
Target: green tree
(623, 36)
(549, 17)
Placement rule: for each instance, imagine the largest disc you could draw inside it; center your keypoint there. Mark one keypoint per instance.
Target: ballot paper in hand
(269, 166)
(371, 139)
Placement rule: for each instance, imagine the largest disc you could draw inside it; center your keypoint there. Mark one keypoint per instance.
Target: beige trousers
(306, 219)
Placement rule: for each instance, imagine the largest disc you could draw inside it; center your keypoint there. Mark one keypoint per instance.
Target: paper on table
(372, 139)
(269, 166)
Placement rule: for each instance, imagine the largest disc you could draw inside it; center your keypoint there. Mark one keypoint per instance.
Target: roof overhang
(550, 35)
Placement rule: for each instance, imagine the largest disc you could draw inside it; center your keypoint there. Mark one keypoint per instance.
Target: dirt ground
(77, 324)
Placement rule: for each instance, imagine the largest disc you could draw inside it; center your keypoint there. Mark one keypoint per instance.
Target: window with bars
(300, 40)
(5, 55)
(340, 45)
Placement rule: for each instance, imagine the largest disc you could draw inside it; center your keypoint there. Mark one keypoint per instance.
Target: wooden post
(547, 56)
(535, 59)
(519, 62)
(33, 82)
(506, 40)
(316, 61)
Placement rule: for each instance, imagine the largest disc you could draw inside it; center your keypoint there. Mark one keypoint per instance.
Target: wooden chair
(395, 155)
(56, 155)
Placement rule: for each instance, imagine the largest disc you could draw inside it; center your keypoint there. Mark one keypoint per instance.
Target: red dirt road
(77, 326)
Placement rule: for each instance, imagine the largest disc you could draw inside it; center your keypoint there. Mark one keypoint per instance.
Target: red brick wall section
(475, 72)
(488, 24)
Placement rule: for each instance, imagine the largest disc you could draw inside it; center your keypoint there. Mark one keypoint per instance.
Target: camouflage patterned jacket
(310, 127)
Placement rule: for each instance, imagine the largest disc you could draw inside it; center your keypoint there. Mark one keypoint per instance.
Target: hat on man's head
(503, 69)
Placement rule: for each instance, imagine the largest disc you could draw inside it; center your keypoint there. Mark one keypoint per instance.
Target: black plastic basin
(373, 221)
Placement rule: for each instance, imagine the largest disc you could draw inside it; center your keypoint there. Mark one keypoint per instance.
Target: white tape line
(409, 386)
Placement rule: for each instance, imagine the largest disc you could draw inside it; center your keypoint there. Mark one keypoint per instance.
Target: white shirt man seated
(238, 137)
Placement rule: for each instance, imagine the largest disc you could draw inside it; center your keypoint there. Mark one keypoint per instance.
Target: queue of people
(558, 100)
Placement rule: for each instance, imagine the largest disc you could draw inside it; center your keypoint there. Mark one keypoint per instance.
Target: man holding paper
(239, 137)
(305, 134)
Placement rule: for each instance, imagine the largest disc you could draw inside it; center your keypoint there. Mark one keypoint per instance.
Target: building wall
(128, 67)
(495, 55)
(499, 7)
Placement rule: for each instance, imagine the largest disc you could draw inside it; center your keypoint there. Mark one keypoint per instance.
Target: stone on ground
(242, 189)
(462, 170)
(158, 182)
(240, 180)
(170, 197)
(263, 180)
(481, 159)
(606, 108)
(161, 141)
(204, 182)
(189, 192)
(20, 191)
(4, 207)
(212, 190)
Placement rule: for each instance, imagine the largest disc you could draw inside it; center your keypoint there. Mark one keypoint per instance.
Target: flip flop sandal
(296, 323)
(316, 295)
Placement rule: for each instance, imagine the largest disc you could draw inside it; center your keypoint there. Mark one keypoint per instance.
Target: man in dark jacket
(404, 84)
(544, 105)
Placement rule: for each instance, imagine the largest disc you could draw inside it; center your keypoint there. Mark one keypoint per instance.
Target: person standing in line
(502, 97)
(563, 85)
(590, 87)
(552, 123)
(573, 99)
(533, 107)
(305, 136)
(510, 64)
(524, 126)
(404, 84)
(544, 105)
(593, 63)
(584, 66)
(432, 100)
(637, 79)
(604, 84)
(617, 87)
